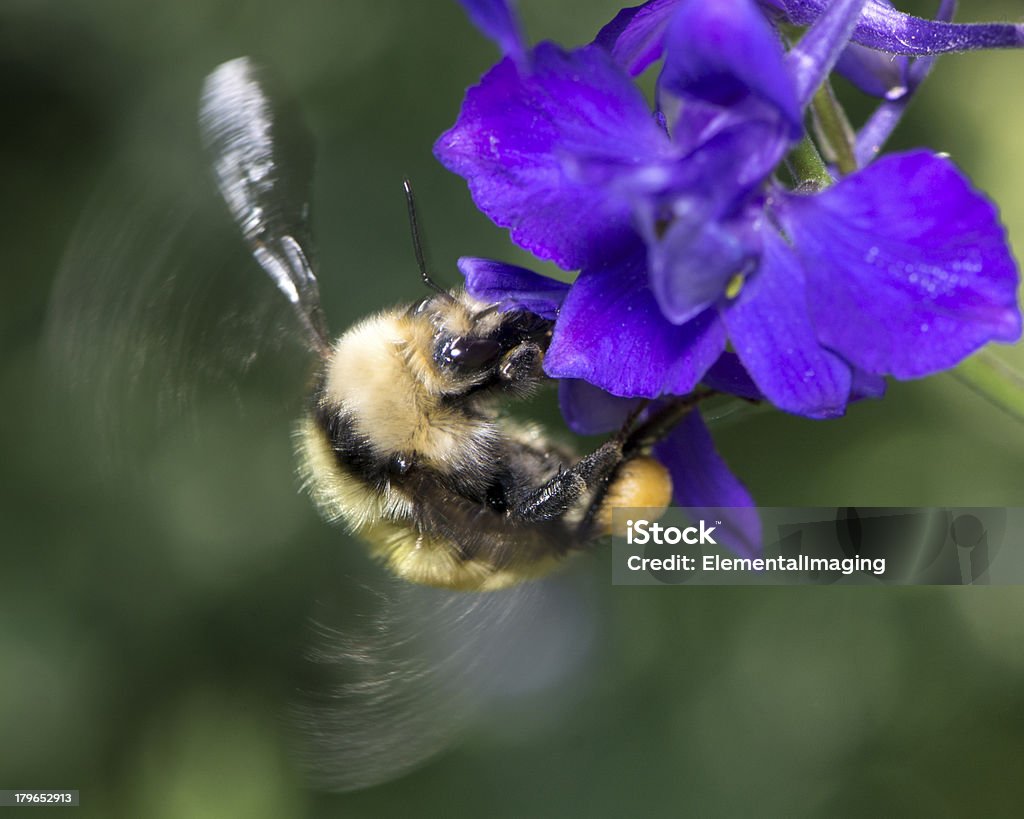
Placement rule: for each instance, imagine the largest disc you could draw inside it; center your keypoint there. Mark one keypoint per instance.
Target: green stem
(834, 128)
(807, 165)
(995, 380)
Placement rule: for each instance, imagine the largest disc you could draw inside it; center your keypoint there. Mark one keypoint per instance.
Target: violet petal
(519, 131)
(496, 20)
(866, 385)
(691, 264)
(635, 36)
(771, 331)
(719, 53)
(908, 268)
(589, 410)
(611, 333)
(512, 287)
(874, 72)
(729, 375)
(702, 481)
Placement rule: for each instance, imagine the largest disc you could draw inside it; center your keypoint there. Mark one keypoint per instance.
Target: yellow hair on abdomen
(337, 495)
(384, 521)
(430, 561)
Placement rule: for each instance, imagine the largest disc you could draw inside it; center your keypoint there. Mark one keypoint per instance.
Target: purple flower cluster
(706, 253)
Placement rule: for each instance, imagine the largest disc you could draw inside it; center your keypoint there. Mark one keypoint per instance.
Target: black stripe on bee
(355, 452)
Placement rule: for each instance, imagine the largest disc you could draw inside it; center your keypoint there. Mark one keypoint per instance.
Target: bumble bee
(405, 440)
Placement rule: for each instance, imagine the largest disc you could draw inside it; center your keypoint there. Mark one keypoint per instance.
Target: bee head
(476, 345)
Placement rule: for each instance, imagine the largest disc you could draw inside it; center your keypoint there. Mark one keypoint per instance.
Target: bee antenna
(486, 312)
(417, 243)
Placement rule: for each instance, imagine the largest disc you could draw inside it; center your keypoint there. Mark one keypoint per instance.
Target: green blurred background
(158, 565)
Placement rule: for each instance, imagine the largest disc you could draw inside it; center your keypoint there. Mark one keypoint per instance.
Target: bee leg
(521, 364)
(564, 490)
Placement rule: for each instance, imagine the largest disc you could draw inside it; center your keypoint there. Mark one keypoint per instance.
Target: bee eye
(468, 354)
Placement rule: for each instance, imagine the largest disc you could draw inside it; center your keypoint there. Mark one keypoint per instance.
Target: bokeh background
(158, 567)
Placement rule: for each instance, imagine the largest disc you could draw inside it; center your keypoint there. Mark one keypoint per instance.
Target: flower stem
(807, 165)
(667, 416)
(995, 380)
(834, 128)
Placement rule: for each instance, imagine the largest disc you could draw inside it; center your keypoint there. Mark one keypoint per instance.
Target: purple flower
(686, 240)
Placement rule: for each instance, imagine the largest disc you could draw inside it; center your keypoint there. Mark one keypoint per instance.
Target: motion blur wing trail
(155, 310)
(403, 685)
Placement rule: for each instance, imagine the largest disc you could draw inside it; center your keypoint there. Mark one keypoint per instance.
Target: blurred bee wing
(262, 158)
(153, 316)
(400, 688)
